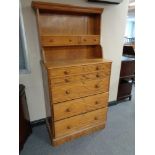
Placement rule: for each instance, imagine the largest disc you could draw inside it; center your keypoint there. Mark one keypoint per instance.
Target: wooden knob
(67, 110)
(51, 40)
(96, 86)
(94, 39)
(70, 40)
(67, 92)
(95, 118)
(65, 72)
(84, 39)
(97, 68)
(66, 80)
(97, 75)
(96, 102)
(68, 127)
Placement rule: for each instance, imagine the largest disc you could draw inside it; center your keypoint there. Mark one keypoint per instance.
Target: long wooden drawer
(77, 90)
(73, 124)
(70, 40)
(83, 69)
(90, 40)
(81, 78)
(59, 40)
(79, 106)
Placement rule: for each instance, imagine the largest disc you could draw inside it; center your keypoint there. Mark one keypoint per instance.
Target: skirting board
(43, 120)
(38, 122)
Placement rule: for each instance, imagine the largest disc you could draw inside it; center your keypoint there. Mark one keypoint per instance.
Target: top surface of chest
(75, 63)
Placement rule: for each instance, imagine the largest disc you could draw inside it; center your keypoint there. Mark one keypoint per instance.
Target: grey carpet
(116, 139)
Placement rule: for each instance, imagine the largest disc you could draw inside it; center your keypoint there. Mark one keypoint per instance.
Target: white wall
(112, 33)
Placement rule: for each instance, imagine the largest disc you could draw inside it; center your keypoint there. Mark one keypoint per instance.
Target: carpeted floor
(116, 139)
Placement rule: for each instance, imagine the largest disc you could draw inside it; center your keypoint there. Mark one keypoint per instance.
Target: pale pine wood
(79, 106)
(65, 8)
(56, 40)
(90, 40)
(78, 68)
(68, 53)
(47, 94)
(66, 34)
(77, 134)
(75, 75)
(59, 40)
(78, 89)
(66, 25)
(70, 63)
(80, 77)
(73, 124)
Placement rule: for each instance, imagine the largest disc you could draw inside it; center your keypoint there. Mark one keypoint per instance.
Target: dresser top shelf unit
(68, 32)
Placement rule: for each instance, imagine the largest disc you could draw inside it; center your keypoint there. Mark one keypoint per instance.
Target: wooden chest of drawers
(78, 97)
(75, 76)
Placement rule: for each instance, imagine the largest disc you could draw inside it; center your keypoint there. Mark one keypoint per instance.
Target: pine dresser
(76, 77)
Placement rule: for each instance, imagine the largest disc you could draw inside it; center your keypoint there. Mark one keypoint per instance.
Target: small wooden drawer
(59, 40)
(81, 78)
(106, 67)
(77, 90)
(90, 40)
(73, 124)
(83, 69)
(65, 71)
(79, 106)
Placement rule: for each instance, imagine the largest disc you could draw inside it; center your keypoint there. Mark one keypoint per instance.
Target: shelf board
(65, 8)
(57, 64)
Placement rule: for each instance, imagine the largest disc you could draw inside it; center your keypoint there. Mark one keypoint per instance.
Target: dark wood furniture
(75, 75)
(128, 50)
(127, 75)
(24, 121)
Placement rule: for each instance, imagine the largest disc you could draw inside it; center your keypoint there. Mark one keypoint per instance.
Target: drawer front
(73, 124)
(90, 40)
(83, 69)
(79, 106)
(77, 90)
(65, 71)
(81, 78)
(59, 40)
(105, 67)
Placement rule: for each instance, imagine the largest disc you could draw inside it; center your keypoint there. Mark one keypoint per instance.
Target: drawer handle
(96, 102)
(84, 39)
(97, 75)
(97, 68)
(65, 72)
(97, 86)
(68, 127)
(67, 92)
(67, 110)
(70, 40)
(51, 40)
(66, 80)
(95, 40)
(95, 118)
